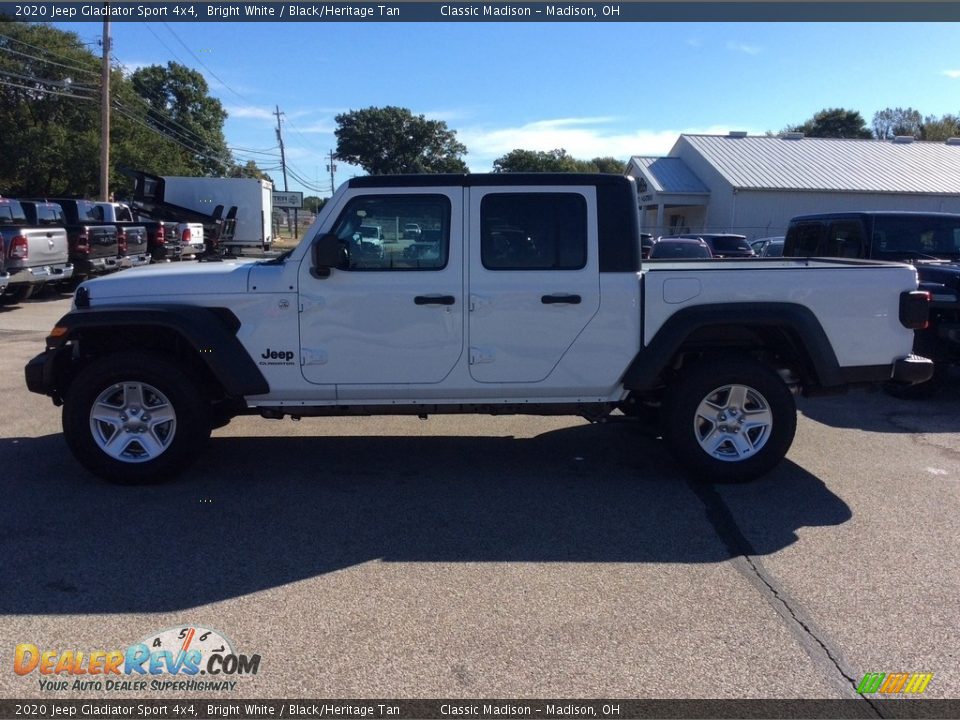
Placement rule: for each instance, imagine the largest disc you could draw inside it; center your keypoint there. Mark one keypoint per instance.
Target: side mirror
(327, 253)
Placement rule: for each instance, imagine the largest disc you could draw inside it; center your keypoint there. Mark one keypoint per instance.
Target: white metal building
(753, 185)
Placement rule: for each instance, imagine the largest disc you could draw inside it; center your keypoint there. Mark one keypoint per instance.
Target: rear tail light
(915, 309)
(19, 249)
(185, 236)
(83, 243)
(122, 242)
(161, 234)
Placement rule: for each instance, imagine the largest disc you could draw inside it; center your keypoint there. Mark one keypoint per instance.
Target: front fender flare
(211, 332)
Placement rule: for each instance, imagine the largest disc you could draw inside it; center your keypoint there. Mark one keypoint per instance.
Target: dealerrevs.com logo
(894, 683)
(176, 659)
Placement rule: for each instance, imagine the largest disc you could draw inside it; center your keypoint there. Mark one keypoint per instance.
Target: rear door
(534, 281)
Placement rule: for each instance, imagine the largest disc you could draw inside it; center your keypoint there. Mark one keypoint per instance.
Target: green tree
(313, 204)
(390, 140)
(834, 123)
(181, 108)
(891, 122)
(941, 128)
(248, 170)
(609, 165)
(557, 160)
(49, 117)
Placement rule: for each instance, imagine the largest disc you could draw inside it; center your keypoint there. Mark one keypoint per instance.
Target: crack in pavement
(822, 652)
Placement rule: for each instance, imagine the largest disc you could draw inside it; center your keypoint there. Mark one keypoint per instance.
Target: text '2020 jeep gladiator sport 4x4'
(534, 303)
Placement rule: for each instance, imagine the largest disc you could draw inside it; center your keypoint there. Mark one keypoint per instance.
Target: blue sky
(595, 89)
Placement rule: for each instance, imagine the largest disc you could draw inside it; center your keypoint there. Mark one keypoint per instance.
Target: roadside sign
(287, 199)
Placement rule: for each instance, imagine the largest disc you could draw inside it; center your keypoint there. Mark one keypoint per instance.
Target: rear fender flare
(797, 320)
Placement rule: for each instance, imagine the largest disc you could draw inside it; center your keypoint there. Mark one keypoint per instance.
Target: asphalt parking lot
(494, 557)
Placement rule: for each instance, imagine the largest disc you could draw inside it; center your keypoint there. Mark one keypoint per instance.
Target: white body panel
(858, 307)
(253, 199)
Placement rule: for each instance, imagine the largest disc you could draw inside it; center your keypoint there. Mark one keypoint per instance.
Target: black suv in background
(928, 241)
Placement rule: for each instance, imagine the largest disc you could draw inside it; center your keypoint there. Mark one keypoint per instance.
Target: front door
(534, 279)
(393, 313)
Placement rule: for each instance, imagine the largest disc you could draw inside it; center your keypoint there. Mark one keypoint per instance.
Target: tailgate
(102, 240)
(136, 239)
(46, 246)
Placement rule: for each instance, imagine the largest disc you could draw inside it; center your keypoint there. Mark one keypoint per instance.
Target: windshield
(730, 243)
(369, 232)
(11, 212)
(921, 235)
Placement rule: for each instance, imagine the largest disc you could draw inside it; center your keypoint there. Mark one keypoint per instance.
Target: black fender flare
(799, 321)
(211, 332)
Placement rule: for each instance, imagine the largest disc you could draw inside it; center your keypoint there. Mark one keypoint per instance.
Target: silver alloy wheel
(133, 422)
(733, 423)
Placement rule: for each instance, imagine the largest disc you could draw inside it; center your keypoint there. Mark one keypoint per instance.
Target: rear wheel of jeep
(133, 418)
(732, 420)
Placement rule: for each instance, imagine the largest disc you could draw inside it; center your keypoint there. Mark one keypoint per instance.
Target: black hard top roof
(874, 213)
(487, 179)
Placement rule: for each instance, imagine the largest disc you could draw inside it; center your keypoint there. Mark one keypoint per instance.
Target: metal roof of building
(671, 175)
(828, 164)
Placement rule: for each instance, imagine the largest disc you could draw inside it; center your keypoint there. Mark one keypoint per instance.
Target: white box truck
(253, 199)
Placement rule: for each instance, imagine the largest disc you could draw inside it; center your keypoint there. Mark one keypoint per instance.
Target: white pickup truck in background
(532, 299)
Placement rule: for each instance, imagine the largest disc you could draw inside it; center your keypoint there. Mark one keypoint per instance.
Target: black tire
(743, 449)
(147, 449)
(21, 293)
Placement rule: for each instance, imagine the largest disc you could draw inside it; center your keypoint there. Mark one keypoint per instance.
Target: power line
(161, 41)
(47, 91)
(66, 84)
(43, 60)
(217, 77)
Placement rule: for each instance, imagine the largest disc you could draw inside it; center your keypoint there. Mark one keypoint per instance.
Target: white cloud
(249, 111)
(582, 138)
(129, 68)
(951, 73)
(745, 48)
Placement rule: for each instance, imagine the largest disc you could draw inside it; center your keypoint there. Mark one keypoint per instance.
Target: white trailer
(253, 199)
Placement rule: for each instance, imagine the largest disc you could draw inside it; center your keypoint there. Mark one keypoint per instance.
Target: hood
(172, 279)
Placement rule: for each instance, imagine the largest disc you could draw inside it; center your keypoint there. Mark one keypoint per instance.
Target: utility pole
(105, 110)
(332, 168)
(283, 160)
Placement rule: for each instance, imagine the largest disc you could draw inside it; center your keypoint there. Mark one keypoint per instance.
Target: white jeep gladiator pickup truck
(534, 302)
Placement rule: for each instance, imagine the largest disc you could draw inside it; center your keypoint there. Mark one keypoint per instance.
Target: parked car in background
(679, 248)
(725, 245)
(646, 244)
(768, 246)
(93, 244)
(412, 231)
(773, 249)
(369, 240)
(33, 244)
(132, 237)
(928, 241)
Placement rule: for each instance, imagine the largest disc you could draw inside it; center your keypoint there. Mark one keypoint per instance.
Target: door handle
(434, 299)
(560, 299)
